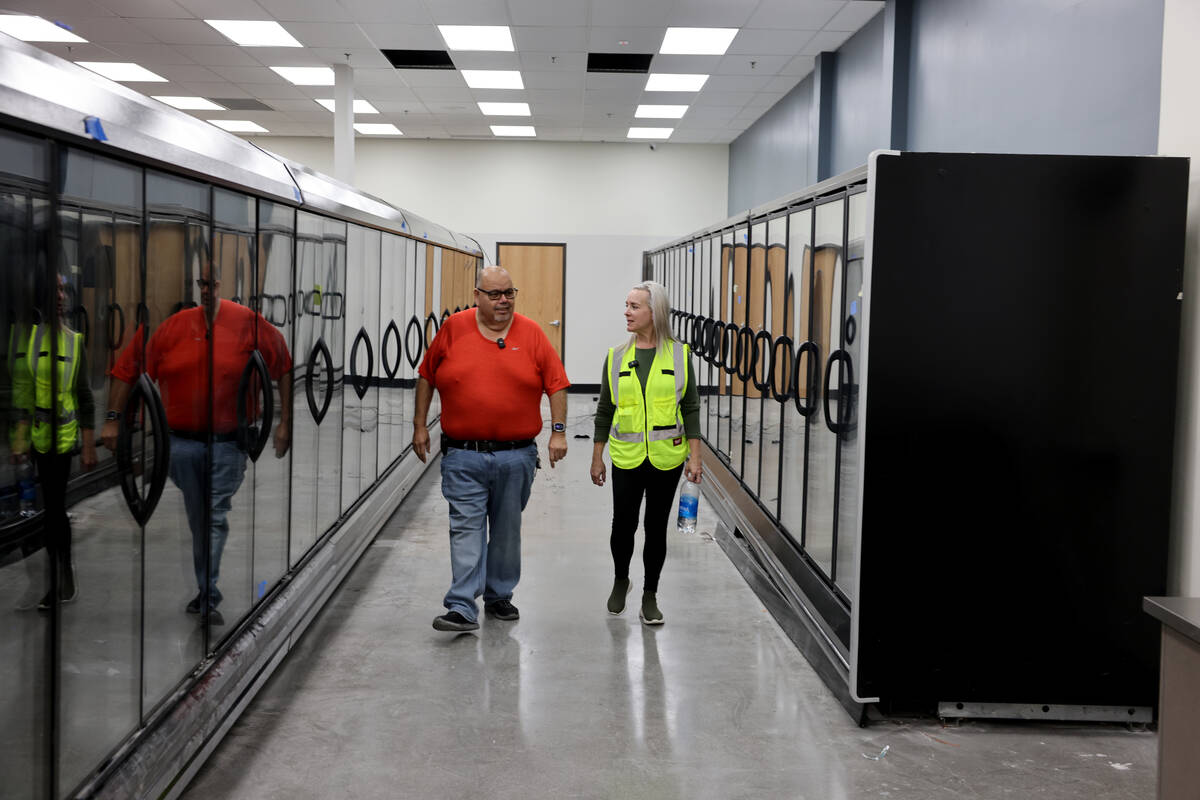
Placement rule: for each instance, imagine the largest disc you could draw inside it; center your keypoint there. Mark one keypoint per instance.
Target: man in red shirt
(491, 366)
(176, 358)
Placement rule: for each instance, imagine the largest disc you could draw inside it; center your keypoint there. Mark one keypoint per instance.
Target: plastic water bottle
(689, 501)
(27, 488)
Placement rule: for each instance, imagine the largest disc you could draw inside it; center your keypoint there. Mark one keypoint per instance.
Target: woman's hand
(694, 468)
(598, 471)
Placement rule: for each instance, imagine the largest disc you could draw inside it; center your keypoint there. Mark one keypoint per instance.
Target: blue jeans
(487, 493)
(187, 472)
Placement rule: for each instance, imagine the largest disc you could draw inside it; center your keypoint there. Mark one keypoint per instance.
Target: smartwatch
(558, 427)
(112, 416)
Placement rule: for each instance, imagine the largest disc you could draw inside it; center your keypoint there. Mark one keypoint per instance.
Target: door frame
(563, 317)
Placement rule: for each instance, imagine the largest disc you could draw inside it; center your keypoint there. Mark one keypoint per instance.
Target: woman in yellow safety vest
(649, 414)
(55, 412)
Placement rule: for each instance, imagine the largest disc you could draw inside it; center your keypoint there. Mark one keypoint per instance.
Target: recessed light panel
(505, 109)
(360, 106)
(492, 38)
(189, 103)
(252, 33)
(650, 133)
(493, 79)
(697, 41)
(377, 129)
(667, 82)
(513, 130)
(306, 76)
(660, 112)
(122, 71)
(239, 125)
(35, 29)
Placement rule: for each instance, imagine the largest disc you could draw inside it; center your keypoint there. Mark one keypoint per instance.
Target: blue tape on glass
(296, 191)
(853, 306)
(262, 588)
(94, 129)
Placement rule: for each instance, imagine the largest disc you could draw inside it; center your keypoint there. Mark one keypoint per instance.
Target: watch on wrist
(558, 427)
(112, 416)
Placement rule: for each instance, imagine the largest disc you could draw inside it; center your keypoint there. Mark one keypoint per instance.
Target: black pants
(53, 470)
(629, 485)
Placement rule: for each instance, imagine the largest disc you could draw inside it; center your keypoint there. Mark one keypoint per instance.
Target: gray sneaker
(454, 621)
(650, 615)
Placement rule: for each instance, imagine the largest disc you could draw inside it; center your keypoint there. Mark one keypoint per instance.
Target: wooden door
(539, 273)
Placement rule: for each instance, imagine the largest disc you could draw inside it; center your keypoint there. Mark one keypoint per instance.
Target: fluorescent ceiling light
(360, 106)
(505, 109)
(660, 112)
(250, 33)
(306, 76)
(122, 71)
(189, 103)
(495, 38)
(35, 29)
(513, 130)
(667, 82)
(493, 79)
(239, 125)
(377, 129)
(697, 41)
(650, 133)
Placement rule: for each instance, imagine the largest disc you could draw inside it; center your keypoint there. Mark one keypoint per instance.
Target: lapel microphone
(500, 342)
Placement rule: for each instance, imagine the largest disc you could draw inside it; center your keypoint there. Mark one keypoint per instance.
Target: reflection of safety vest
(38, 358)
(648, 423)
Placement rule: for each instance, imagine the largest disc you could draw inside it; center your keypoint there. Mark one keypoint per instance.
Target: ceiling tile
(554, 97)
(737, 83)
(769, 42)
(782, 84)
(406, 11)
(181, 31)
(855, 15)
(636, 13)
(363, 59)
(286, 56)
(713, 98)
(66, 10)
(562, 62)
(432, 77)
(305, 10)
(711, 13)
(164, 9)
(764, 66)
(749, 115)
(210, 89)
(80, 52)
(559, 120)
(808, 15)
(464, 128)
(548, 12)
(270, 92)
(186, 73)
(247, 74)
(561, 134)
(289, 105)
(224, 9)
(329, 34)
(395, 94)
(701, 117)
(431, 95)
(550, 39)
(688, 65)
(641, 40)
(684, 136)
(800, 66)
(218, 55)
(473, 60)
(624, 82)
(108, 29)
(553, 80)
(148, 54)
(386, 76)
(825, 42)
(404, 37)
(468, 12)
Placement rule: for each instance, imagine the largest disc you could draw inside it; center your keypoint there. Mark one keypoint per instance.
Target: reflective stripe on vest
(651, 430)
(45, 408)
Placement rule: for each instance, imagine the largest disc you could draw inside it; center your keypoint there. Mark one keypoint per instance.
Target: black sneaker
(215, 617)
(194, 606)
(503, 610)
(454, 621)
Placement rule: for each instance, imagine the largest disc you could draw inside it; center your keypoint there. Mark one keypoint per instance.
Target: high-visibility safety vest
(39, 361)
(648, 424)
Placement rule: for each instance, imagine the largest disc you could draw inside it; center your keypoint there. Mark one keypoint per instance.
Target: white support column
(343, 123)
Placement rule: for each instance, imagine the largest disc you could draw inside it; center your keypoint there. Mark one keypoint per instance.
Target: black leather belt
(202, 436)
(482, 445)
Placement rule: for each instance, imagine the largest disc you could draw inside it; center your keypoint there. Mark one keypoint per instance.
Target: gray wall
(1036, 76)
(771, 157)
(1016, 76)
(859, 99)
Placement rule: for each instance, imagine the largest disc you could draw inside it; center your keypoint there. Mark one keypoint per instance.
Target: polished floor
(570, 702)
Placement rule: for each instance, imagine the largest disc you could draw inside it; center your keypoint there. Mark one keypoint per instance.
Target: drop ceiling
(774, 49)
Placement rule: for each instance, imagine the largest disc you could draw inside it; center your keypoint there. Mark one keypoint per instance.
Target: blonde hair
(660, 312)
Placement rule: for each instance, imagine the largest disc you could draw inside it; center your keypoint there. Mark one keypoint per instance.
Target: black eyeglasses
(203, 284)
(509, 294)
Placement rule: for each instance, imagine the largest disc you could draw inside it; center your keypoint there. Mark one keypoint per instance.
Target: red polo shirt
(177, 355)
(488, 392)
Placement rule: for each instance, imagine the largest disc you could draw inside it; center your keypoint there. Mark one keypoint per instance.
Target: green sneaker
(650, 615)
(616, 600)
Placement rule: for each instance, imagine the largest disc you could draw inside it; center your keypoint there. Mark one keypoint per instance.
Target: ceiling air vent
(619, 62)
(241, 104)
(419, 59)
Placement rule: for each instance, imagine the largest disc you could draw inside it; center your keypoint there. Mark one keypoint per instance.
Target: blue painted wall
(1036, 76)
(771, 157)
(1018, 76)
(859, 102)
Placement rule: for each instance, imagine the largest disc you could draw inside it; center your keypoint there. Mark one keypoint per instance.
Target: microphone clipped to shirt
(500, 342)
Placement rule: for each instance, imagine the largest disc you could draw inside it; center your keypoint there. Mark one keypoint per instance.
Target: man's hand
(87, 457)
(558, 447)
(283, 439)
(108, 434)
(420, 441)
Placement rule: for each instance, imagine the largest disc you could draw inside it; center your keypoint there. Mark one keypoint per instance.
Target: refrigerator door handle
(810, 384)
(834, 357)
(782, 397)
(142, 506)
(361, 383)
(251, 438)
(322, 350)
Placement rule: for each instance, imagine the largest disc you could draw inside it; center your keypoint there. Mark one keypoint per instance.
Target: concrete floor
(570, 702)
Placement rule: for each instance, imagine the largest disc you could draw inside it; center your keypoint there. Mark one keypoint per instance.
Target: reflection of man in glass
(54, 411)
(176, 357)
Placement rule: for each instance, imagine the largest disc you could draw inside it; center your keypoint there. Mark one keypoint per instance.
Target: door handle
(806, 408)
(556, 323)
(843, 424)
(142, 506)
(252, 439)
(361, 383)
(322, 350)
